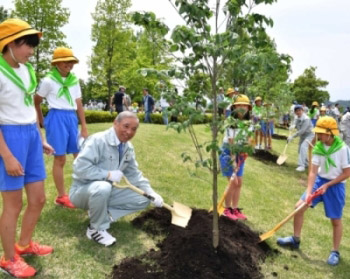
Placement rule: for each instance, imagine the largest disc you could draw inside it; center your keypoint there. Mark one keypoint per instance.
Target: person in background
(148, 105)
(61, 88)
(270, 124)
(164, 106)
(305, 108)
(323, 112)
(22, 166)
(313, 113)
(105, 158)
(117, 100)
(329, 171)
(303, 125)
(257, 115)
(336, 112)
(344, 127)
(228, 99)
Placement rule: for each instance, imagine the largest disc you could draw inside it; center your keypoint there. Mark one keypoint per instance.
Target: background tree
(47, 16)
(4, 14)
(308, 88)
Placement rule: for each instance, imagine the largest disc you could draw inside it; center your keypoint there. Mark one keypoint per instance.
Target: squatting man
(105, 158)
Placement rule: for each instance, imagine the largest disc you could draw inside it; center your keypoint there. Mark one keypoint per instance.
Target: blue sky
(314, 32)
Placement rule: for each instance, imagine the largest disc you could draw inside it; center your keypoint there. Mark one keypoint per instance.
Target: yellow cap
(257, 99)
(314, 103)
(14, 28)
(242, 100)
(230, 91)
(323, 109)
(63, 54)
(327, 125)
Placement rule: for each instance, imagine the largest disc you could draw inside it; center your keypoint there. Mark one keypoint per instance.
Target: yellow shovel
(270, 233)
(180, 214)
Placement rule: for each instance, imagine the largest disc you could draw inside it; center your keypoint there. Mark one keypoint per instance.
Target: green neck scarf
(8, 71)
(319, 149)
(70, 81)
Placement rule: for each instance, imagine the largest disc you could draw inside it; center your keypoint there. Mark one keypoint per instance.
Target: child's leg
(299, 219)
(237, 186)
(337, 233)
(58, 174)
(12, 205)
(36, 201)
(230, 186)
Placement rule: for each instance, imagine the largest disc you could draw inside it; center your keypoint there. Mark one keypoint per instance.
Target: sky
(314, 32)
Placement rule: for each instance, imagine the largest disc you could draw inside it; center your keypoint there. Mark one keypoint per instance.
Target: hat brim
(65, 59)
(18, 35)
(320, 130)
(242, 103)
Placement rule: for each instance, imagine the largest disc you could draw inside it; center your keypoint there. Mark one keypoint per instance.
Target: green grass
(268, 195)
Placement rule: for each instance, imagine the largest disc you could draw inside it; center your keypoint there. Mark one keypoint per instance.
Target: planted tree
(47, 16)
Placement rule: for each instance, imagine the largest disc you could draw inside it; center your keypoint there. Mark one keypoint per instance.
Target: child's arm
(311, 180)
(37, 101)
(343, 176)
(12, 166)
(81, 114)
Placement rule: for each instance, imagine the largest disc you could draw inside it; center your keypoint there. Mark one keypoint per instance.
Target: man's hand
(289, 139)
(158, 200)
(115, 176)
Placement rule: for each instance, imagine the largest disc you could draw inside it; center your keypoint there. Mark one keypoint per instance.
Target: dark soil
(279, 137)
(264, 155)
(188, 252)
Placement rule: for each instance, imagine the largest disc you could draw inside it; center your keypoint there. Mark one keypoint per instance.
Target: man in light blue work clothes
(105, 158)
(304, 127)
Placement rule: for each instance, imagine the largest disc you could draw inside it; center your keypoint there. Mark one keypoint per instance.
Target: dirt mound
(279, 137)
(188, 253)
(264, 155)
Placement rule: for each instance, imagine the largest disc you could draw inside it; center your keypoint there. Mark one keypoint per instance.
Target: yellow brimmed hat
(327, 125)
(323, 109)
(314, 103)
(14, 28)
(257, 99)
(242, 100)
(63, 54)
(230, 91)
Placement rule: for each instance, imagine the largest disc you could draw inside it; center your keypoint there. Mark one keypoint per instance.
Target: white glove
(115, 176)
(289, 139)
(157, 201)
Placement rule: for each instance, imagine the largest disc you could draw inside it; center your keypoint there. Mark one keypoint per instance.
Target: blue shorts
(62, 131)
(267, 127)
(25, 143)
(313, 121)
(333, 200)
(226, 163)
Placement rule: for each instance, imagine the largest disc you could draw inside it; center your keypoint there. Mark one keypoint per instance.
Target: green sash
(8, 71)
(70, 81)
(319, 149)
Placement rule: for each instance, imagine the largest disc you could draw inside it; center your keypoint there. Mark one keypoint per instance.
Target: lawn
(268, 195)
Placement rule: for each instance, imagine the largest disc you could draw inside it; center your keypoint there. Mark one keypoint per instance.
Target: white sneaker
(101, 237)
(257, 146)
(300, 168)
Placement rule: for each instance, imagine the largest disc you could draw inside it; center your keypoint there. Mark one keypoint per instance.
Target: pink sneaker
(238, 214)
(228, 212)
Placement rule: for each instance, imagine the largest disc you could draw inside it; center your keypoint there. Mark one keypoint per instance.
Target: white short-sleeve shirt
(49, 88)
(341, 159)
(13, 110)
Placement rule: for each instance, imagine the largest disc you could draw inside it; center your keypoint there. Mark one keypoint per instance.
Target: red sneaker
(229, 214)
(237, 212)
(16, 267)
(64, 201)
(34, 249)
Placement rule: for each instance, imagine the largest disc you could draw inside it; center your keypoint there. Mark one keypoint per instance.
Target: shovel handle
(142, 193)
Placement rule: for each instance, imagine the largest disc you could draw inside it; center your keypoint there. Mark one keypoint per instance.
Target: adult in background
(164, 105)
(60, 87)
(148, 105)
(344, 127)
(117, 100)
(303, 125)
(105, 158)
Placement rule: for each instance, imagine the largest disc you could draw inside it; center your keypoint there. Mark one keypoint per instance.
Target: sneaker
(333, 258)
(300, 168)
(238, 213)
(288, 241)
(34, 248)
(16, 267)
(101, 237)
(229, 214)
(257, 146)
(64, 201)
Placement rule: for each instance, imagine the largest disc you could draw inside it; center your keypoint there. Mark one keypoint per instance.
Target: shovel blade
(180, 214)
(281, 159)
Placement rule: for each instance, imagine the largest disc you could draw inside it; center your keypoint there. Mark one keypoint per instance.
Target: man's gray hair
(125, 114)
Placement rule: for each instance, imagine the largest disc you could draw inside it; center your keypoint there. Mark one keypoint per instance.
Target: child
(323, 111)
(268, 128)
(241, 110)
(257, 115)
(62, 91)
(304, 130)
(21, 147)
(313, 113)
(330, 169)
